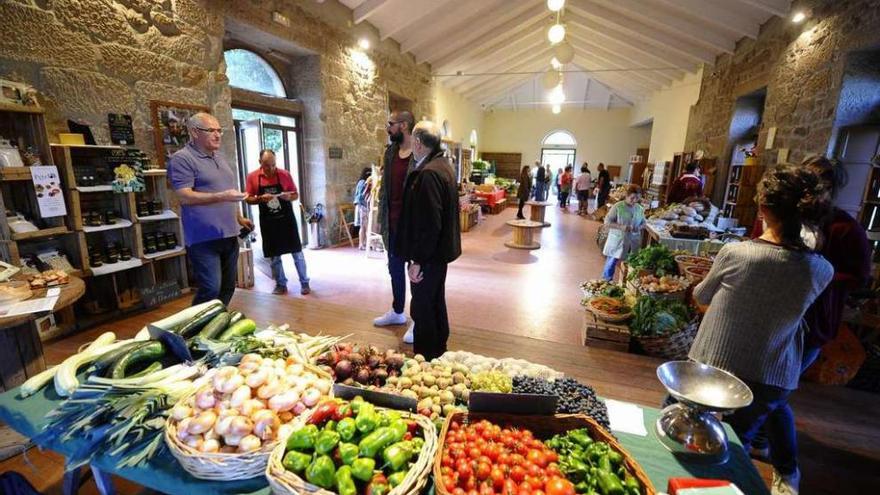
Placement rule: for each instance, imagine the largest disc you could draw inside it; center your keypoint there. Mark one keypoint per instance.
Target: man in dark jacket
(429, 238)
(397, 165)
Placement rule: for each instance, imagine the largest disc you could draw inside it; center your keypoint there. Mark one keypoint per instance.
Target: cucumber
(177, 319)
(239, 329)
(235, 316)
(148, 351)
(192, 326)
(215, 326)
(152, 368)
(108, 358)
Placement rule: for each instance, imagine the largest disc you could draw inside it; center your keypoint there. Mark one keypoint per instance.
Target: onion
(194, 442)
(240, 426)
(211, 434)
(266, 423)
(285, 416)
(240, 395)
(249, 443)
(231, 440)
(251, 358)
(222, 377)
(210, 445)
(284, 401)
(205, 398)
(222, 426)
(298, 408)
(311, 397)
(181, 411)
(295, 369)
(182, 428)
(269, 389)
(232, 383)
(202, 423)
(257, 378)
(284, 431)
(250, 406)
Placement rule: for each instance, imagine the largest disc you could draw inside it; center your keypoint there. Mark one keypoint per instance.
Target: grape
(574, 397)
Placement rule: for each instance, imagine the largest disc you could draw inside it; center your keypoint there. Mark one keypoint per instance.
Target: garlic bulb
(240, 395)
(240, 426)
(181, 411)
(249, 443)
(202, 423)
(210, 445)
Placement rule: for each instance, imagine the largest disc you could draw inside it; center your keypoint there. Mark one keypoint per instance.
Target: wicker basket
(607, 317)
(674, 346)
(283, 482)
(543, 428)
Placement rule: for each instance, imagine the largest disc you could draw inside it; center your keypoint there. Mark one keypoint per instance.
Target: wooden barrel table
(537, 210)
(524, 234)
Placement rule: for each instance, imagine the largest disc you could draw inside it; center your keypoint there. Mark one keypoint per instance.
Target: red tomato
(454, 426)
(510, 487)
(537, 457)
(524, 491)
(449, 483)
(507, 439)
(470, 436)
(497, 477)
(471, 484)
(517, 459)
(536, 471)
(484, 459)
(447, 461)
(522, 448)
(538, 492)
(493, 452)
(474, 453)
(486, 489)
(457, 453)
(525, 485)
(483, 470)
(553, 470)
(473, 491)
(464, 470)
(551, 456)
(559, 486)
(503, 458)
(517, 473)
(459, 491)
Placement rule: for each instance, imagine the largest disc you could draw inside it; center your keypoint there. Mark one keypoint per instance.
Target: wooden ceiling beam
(500, 63)
(450, 25)
(363, 11)
(652, 14)
(535, 62)
(615, 81)
(510, 19)
(598, 51)
(426, 16)
(779, 8)
(641, 31)
(718, 13)
(490, 44)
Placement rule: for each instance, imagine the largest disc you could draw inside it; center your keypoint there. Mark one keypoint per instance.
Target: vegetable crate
(543, 427)
(604, 335)
(245, 268)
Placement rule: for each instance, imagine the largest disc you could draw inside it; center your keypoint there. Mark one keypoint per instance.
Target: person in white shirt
(582, 186)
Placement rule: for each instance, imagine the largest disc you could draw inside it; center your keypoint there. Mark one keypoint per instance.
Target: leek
(65, 376)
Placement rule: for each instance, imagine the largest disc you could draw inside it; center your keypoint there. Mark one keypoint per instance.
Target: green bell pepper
(296, 462)
(347, 429)
(632, 484)
(373, 443)
(321, 472)
(362, 468)
(367, 419)
(609, 484)
(356, 404)
(399, 427)
(418, 443)
(582, 437)
(344, 483)
(330, 425)
(397, 455)
(347, 452)
(326, 442)
(303, 439)
(396, 478)
(582, 487)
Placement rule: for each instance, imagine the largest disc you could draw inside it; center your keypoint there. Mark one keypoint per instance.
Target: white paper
(54, 291)
(626, 417)
(29, 306)
(47, 187)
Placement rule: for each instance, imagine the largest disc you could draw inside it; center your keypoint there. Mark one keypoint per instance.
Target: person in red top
(273, 191)
(689, 185)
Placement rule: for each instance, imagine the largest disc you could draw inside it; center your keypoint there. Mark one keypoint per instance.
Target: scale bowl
(704, 386)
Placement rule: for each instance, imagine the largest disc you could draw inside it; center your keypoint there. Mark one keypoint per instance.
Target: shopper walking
(688, 185)
(603, 187)
(582, 186)
(540, 181)
(397, 165)
(557, 185)
(565, 187)
(205, 186)
(624, 221)
(759, 291)
(548, 175)
(429, 238)
(523, 192)
(273, 191)
(362, 206)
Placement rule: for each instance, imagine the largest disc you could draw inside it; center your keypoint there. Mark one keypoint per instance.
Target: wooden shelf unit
(739, 195)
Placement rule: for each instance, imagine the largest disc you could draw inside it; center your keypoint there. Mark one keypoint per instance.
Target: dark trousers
(215, 267)
(770, 408)
(397, 270)
(519, 214)
(428, 311)
(563, 198)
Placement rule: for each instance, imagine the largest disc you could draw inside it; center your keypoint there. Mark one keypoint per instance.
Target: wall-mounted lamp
(364, 44)
(799, 17)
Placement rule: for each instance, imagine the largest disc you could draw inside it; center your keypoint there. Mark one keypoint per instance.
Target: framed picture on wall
(169, 126)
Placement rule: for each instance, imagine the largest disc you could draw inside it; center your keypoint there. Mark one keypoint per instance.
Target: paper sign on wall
(47, 187)
(659, 173)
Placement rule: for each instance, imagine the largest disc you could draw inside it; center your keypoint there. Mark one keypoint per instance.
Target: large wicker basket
(673, 346)
(543, 428)
(284, 482)
(605, 316)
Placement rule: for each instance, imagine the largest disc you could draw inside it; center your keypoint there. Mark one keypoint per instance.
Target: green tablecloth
(163, 473)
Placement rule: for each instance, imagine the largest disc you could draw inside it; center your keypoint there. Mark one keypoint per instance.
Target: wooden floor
(838, 428)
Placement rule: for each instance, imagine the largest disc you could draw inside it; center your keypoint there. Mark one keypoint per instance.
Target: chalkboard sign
(335, 152)
(159, 294)
(121, 130)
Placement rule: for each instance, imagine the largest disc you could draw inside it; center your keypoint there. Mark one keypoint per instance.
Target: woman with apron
(624, 222)
(273, 191)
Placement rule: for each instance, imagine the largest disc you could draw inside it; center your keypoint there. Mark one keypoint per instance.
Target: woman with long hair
(362, 206)
(758, 292)
(525, 189)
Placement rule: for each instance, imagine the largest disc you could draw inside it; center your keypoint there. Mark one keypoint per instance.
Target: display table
(537, 209)
(164, 474)
(693, 246)
(523, 234)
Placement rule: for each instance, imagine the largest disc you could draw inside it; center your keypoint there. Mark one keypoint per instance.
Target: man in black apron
(273, 191)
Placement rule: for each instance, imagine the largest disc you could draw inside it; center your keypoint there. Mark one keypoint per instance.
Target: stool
(537, 209)
(523, 234)
(342, 224)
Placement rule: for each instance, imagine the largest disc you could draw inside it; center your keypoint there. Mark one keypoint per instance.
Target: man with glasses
(396, 166)
(206, 188)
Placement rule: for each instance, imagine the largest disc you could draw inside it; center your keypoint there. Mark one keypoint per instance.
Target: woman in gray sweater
(757, 293)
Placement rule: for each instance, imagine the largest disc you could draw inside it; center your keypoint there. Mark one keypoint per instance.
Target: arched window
(247, 70)
(559, 139)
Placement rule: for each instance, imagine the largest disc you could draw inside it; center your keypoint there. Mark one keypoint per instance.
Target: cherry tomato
(535, 456)
(536, 471)
(457, 453)
(484, 459)
(497, 477)
(507, 439)
(525, 485)
(517, 459)
(503, 458)
(522, 448)
(551, 456)
(517, 473)
(450, 483)
(538, 492)
(455, 426)
(486, 489)
(553, 470)
(474, 453)
(470, 436)
(493, 452)
(459, 491)
(471, 484)
(464, 470)
(510, 487)
(559, 486)
(447, 461)
(473, 491)
(483, 470)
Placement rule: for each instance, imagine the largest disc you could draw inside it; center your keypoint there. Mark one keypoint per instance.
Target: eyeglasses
(211, 130)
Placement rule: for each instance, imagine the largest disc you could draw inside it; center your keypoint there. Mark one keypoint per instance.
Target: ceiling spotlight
(798, 17)
(556, 33)
(364, 43)
(555, 5)
(563, 52)
(556, 109)
(556, 64)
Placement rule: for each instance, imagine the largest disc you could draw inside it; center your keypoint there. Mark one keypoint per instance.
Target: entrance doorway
(255, 131)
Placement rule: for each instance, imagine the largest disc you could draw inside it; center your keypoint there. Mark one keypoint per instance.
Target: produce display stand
(605, 335)
(523, 234)
(657, 236)
(537, 210)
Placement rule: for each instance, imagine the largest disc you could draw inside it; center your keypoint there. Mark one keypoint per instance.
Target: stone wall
(802, 67)
(91, 57)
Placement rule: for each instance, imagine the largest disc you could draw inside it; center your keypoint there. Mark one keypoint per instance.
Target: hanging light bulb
(550, 79)
(556, 109)
(557, 95)
(556, 33)
(556, 64)
(555, 5)
(563, 52)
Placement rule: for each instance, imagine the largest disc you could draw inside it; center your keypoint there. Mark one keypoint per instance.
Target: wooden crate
(245, 269)
(603, 335)
(468, 220)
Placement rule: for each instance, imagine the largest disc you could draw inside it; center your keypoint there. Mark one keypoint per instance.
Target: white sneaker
(408, 336)
(390, 318)
(785, 485)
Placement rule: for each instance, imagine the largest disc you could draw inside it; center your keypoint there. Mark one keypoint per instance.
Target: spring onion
(65, 375)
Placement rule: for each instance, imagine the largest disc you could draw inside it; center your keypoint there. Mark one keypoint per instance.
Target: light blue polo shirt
(189, 167)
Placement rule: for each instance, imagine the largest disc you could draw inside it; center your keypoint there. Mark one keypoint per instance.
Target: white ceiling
(495, 51)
